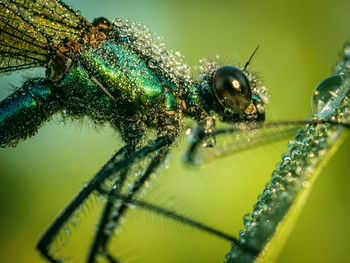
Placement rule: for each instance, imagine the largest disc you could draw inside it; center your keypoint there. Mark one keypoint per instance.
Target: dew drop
(327, 96)
(347, 50)
(131, 206)
(100, 198)
(305, 184)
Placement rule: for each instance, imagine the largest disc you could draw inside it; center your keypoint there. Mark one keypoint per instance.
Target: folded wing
(30, 31)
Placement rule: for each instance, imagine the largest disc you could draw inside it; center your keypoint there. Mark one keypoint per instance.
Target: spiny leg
(54, 228)
(101, 240)
(106, 171)
(108, 210)
(52, 231)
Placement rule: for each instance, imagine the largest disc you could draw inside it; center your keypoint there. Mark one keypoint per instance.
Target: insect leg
(108, 210)
(111, 167)
(101, 239)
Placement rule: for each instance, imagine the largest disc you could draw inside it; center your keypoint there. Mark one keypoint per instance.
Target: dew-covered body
(108, 83)
(114, 82)
(114, 72)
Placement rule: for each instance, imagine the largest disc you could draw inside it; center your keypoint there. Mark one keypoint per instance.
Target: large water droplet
(327, 96)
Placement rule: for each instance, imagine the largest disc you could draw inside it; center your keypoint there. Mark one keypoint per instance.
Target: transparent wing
(243, 137)
(30, 30)
(229, 144)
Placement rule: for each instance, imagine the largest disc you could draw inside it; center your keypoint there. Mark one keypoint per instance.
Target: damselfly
(101, 27)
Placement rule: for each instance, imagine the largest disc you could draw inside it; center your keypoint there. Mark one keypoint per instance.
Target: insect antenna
(248, 62)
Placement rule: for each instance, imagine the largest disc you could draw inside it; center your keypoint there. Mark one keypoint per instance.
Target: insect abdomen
(23, 112)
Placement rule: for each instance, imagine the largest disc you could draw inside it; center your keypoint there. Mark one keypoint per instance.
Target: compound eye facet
(232, 88)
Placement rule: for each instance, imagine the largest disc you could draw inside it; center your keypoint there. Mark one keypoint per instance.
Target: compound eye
(100, 21)
(232, 89)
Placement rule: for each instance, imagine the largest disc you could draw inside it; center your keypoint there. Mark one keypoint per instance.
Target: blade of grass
(275, 245)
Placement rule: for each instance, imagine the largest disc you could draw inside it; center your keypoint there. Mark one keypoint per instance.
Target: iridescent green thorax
(122, 73)
(110, 82)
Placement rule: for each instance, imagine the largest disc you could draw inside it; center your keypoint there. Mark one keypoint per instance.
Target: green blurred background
(300, 42)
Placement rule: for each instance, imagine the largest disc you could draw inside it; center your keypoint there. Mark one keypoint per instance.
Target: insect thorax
(118, 81)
